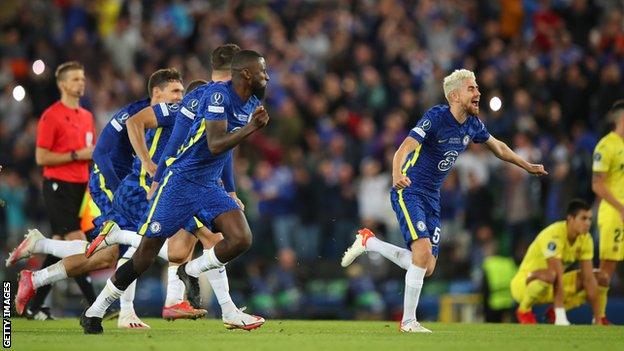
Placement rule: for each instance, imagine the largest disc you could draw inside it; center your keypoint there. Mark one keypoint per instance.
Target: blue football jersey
(219, 102)
(182, 124)
(441, 140)
(113, 151)
(155, 140)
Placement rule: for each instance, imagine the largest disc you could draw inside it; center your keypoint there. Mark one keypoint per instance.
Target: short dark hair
(244, 58)
(221, 57)
(161, 77)
(66, 67)
(195, 84)
(576, 205)
(617, 106)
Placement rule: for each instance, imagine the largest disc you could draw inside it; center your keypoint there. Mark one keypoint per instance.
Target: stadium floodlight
(19, 93)
(495, 103)
(38, 67)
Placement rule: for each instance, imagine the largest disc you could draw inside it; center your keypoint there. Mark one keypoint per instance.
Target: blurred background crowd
(348, 81)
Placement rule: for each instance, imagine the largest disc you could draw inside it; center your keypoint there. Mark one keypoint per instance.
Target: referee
(65, 142)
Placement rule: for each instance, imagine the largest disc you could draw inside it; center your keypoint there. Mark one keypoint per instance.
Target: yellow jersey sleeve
(551, 243)
(587, 247)
(602, 156)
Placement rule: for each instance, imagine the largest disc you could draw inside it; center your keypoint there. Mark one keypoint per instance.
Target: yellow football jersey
(552, 242)
(609, 158)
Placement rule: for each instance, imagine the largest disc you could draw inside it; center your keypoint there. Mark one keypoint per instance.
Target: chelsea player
(181, 247)
(113, 157)
(228, 113)
(419, 167)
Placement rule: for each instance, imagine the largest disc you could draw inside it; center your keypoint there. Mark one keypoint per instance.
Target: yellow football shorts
(611, 231)
(518, 287)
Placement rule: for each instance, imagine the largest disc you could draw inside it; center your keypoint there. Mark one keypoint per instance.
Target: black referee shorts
(62, 201)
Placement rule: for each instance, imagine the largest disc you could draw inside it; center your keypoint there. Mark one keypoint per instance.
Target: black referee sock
(86, 288)
(42, 292)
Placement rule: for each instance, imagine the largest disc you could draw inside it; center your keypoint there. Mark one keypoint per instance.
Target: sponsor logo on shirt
(449, 160)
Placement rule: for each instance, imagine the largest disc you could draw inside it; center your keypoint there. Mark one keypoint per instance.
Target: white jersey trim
(116, 125)
(187, 113)
(164, 109)
(419, 131)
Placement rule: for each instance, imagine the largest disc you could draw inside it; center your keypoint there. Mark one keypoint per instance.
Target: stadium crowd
(348, 81)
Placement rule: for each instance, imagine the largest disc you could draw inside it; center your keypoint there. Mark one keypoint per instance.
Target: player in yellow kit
(608, 184)
(541, 277)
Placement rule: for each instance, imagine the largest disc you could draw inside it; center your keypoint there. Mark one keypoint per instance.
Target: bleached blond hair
(454, 80)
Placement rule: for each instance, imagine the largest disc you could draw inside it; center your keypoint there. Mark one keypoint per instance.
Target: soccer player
(608, 185)
(541, 277)
(419, 167)
(228, 113)
(231, 315)
(114, 157)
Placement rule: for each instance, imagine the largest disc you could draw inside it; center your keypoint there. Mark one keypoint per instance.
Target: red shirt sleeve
(46, 130)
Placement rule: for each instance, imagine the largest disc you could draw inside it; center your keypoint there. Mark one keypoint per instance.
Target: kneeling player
(541, 277)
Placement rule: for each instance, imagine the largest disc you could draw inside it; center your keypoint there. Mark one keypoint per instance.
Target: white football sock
(175, 286)
(49, 275)
(128, 237)
(206, 261)
(126, 301)
(413, 284)
(107, 296)
(164, 251)
(400, 256)
(60, 248)
(219, 282)
(124, 237)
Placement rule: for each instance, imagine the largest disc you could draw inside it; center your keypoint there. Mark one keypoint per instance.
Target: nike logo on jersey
(442, 141)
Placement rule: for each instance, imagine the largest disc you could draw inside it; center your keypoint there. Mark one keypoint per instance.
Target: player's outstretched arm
(136, 124)
(503, 152)
(220, 141)
(600, 188)
(399, 180)
(590, 285)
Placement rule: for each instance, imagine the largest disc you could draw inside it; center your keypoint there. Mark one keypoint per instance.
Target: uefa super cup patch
(123, 118)
(552, 246)
(216, 99)
(426, 125)
(192, 105)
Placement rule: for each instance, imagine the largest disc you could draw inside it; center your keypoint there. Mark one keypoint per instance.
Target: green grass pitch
(183, 335)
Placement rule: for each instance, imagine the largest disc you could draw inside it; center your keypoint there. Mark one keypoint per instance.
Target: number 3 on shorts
(435, 239)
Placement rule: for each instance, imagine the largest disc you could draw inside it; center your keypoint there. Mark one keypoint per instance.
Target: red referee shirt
(63, 129)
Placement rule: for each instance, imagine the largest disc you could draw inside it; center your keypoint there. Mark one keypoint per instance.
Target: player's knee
(242, 241)
(549, 276)
(602, 278)
(423, 259)
(429, 271)
(177, 256)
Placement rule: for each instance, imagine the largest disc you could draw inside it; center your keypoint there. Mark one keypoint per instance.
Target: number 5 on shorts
(435, 239)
